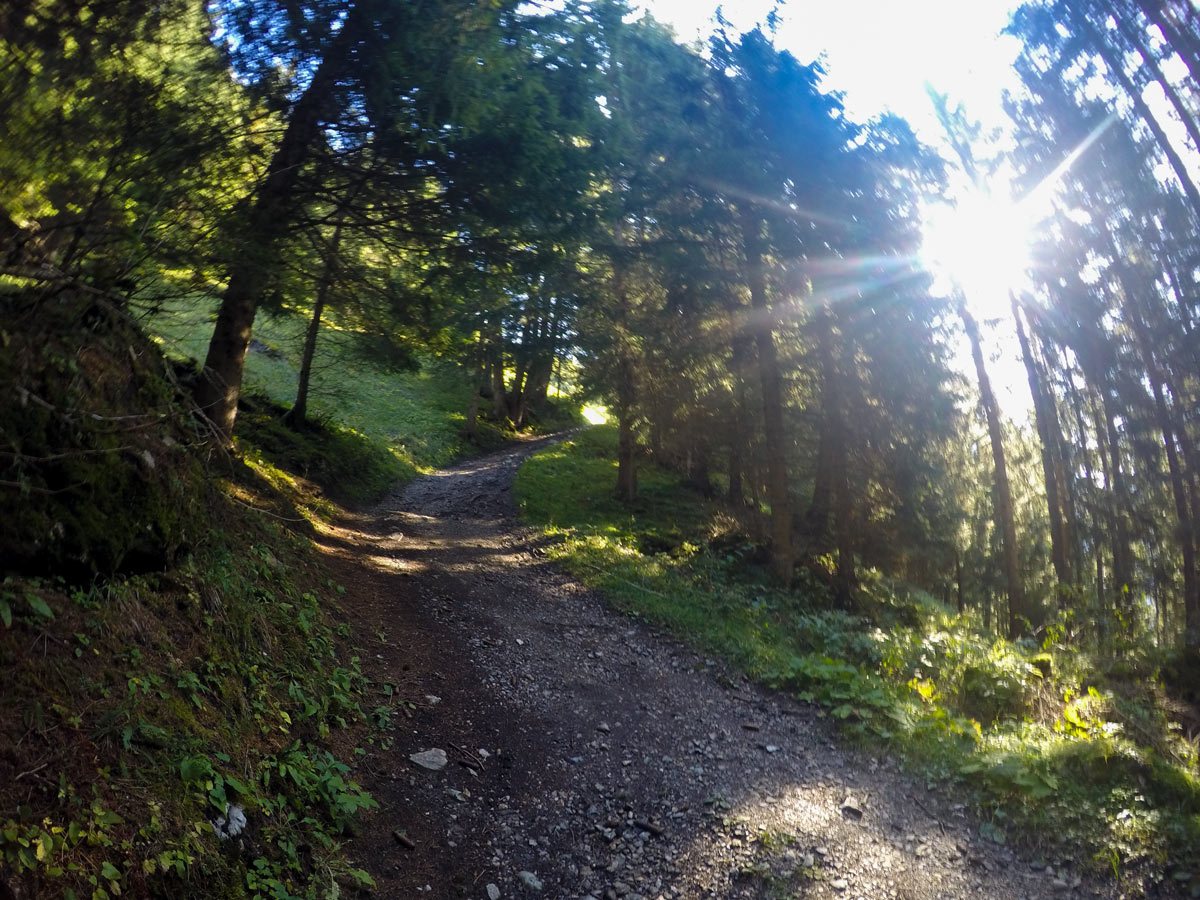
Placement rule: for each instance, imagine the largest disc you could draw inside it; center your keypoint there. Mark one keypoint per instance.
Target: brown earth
(599, 756)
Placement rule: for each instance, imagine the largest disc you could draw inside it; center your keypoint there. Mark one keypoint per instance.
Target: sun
(979, 244)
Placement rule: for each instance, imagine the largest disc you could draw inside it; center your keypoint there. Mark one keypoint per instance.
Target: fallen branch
(403, 839)
(648, 826)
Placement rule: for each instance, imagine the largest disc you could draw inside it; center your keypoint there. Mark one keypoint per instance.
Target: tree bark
(220, 383)
(1059, 542)
(1018, 614)
(771, 382)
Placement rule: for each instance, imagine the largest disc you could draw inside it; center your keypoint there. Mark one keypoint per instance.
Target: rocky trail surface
(577, 753)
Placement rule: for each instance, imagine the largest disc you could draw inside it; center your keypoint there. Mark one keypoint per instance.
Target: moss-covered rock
(94, 474)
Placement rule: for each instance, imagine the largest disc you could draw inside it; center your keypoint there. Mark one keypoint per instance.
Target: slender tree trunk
(1077, 400)
(627, 486)
(496, 370)
(1058, 537)
(542, 370)
(816, 519)
(1186, 527)
(297, 416)
(472, 427)
(1018, 613)
(1184, 517)
(958, 582)
(220, 384)
(1117, 68)
(739, 365)
(1122, 513)
(778, 490)
(1137, 40)
(516, 396)
(845, 580)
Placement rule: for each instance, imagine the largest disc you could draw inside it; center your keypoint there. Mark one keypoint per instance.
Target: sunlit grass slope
(419, 416)
(1046, 746)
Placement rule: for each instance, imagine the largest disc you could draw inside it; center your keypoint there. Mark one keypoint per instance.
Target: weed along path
(578, 753)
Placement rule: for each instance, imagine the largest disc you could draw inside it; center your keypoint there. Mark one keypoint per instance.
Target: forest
(252, 246)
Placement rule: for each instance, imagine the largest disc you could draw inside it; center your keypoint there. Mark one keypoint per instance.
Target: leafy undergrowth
(192, 675)
(1054, 753)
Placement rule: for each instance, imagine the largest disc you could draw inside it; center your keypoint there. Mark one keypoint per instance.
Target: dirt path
(592, 756)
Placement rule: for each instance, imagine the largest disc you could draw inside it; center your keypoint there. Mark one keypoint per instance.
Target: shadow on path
(598, 756)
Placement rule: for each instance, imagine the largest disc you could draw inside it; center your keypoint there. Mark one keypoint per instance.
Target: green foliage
(1044, 748)
(189, 718)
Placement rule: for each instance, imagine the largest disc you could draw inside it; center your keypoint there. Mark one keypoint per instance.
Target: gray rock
(434, 759)
(493, 892)
(530, 880)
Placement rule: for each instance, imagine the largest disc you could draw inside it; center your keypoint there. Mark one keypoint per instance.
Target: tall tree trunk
(1186, 525)
(816, 519)
(1018, 613)
(1137, 318)
(1137, 40)
(220, 383)
(542, 370)
(1122, 512)
(739, 366)
(1059, 542)
(472, 427)
(958, 582)
(1077, 401)
(1185, 530)
(771, 381)
(496, 369)
(1117, 68)
(627, 486)
(845, 579)
(297, 416)
(516, 395)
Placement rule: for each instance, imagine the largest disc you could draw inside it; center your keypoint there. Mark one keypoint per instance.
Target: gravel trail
(591, 756)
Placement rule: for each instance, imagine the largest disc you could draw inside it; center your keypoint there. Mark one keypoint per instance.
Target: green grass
(417, 416)
(1045, 746)
(351, 467)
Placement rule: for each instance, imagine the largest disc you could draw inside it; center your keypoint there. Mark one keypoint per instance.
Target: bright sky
(882, 55)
